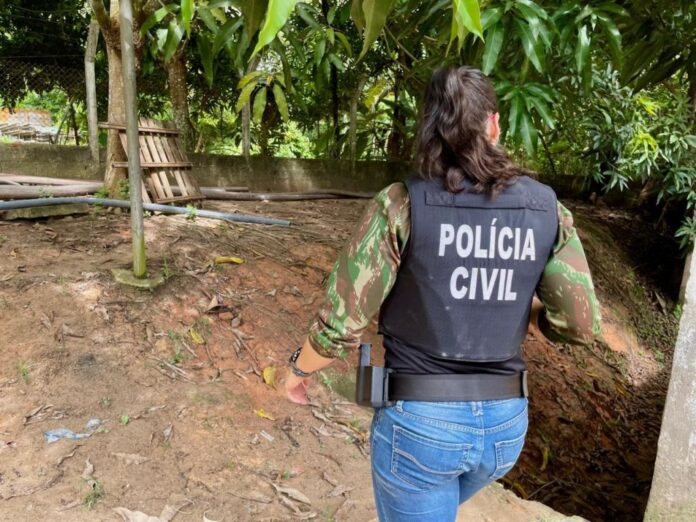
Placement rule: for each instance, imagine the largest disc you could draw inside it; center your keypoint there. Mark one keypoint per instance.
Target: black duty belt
(456, 387)
(378, 387)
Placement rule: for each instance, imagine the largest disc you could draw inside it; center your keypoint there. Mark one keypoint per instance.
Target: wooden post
(134, 171)
(91, 88)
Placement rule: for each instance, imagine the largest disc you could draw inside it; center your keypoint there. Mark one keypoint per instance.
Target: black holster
(372, 382)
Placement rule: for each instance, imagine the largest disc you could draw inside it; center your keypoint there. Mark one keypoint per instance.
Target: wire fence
(45, 102)
(38, 101)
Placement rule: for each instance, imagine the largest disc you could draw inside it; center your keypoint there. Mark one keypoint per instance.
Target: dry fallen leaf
(167, 514)
(195, 336)
(130, 458)
(219, 260)
(269, 375)
(264, 414)
(292, 493)
(340, 490)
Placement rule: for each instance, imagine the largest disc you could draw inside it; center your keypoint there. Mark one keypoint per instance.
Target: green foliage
(374, 13)
(24, 367)
(123, 191)
(95, 494)
(102, 193)
(637, 136)
(277, 15)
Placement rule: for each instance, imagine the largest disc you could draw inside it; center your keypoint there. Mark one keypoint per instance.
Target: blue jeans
(429, 457)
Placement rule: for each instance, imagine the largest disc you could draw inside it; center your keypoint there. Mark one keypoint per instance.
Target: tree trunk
(394, 143)
(116, 111)
(333, 151)
(76, 131)
(353, 128)
(116, 114)
(178, 92)
(246, 114)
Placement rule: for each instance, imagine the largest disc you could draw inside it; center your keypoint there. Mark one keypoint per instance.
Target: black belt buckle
(372, 382)
(525, 387)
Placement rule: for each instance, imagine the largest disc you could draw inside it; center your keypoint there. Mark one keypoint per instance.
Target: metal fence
(45, 102)
(41, 101)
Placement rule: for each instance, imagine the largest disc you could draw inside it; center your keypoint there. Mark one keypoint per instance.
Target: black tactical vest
(465, 284)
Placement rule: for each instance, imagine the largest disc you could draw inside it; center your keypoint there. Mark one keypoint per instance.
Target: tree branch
(101, 15)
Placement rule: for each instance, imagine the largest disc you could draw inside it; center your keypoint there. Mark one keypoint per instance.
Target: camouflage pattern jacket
(367, 267)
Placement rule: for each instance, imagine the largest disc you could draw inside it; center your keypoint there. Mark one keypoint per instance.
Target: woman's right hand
(296, 388)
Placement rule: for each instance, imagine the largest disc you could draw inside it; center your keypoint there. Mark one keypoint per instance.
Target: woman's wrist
(292, 361)
(307, 360)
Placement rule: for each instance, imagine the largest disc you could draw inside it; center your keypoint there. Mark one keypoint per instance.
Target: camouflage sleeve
(364, 273)
(571, 309)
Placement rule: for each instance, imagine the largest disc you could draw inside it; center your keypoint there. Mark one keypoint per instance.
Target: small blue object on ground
(65, 433)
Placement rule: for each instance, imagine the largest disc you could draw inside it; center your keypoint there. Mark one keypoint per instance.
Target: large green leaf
(249, 78)
(529, 6)
(336, 62)
(530, 45)
(491, 17)
(259, 105)
(494, 43)
(541, 109)
(253, 11)
(540, 91)
(208, 19)
(281, 102)
(376, 12)
(187, 15)
(277, 15)
(225, 34)
(286, 79)
(582, 49)
(466, 17)
(356, 13)
(205, 50)
(157, 17)
(528, 132)
(613, 37)
(244, 96)
(344, 41)
(319, 51)
(307, 17)
(516, 109)
(174, 35)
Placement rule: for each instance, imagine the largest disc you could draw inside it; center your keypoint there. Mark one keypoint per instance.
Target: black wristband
(293, 364)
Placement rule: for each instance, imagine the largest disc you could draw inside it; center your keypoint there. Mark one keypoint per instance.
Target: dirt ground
(176, 375)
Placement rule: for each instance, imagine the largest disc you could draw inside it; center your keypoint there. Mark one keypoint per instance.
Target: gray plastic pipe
(153, 207)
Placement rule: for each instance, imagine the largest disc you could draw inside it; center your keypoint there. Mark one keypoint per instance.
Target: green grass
(23, 367)
(95, 495)
(102, 193)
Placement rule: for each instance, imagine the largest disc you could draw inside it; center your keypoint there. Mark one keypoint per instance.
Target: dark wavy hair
(452, 141)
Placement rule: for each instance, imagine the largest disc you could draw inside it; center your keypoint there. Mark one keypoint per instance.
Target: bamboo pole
(134, 171)
(91, 90)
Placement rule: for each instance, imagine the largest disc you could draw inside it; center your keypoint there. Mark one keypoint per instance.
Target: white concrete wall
(673, 492)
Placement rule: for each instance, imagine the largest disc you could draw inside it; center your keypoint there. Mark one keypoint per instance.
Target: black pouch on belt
(372, 382)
